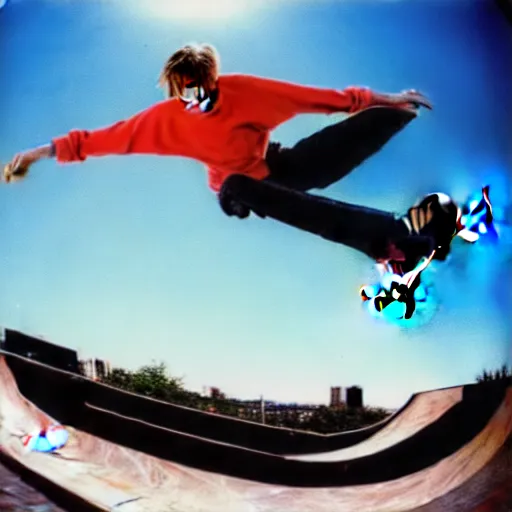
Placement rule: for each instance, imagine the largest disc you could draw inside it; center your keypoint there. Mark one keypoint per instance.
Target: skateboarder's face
(196, 96)
(192, 92)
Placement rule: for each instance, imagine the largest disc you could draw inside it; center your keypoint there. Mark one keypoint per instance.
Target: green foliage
(150, 380)
(120, 379)
(326, 420)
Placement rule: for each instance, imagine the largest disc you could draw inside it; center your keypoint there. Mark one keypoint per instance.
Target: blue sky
(130, 258)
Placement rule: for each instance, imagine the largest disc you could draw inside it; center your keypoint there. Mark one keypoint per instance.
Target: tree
(153, 381)
(149, 380)
(120, 378)
(327, 420)
(504, 374)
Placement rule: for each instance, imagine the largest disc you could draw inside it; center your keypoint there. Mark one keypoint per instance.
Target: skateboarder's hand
(412, 100)
(409, 100)
(18, 168)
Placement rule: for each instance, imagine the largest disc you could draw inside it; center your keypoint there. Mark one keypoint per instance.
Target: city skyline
(346, 396)
(98, 369)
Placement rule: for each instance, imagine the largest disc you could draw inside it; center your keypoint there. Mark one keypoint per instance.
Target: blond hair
(198, 63)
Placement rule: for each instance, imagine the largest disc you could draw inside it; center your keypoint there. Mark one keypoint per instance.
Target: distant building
(254, 409)
(101, 369)
(336, 400)
(40, 350)
(82, 370)
(87, 368)
(354, 397)
(95, 369)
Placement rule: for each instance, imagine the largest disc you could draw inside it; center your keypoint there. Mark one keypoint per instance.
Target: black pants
(367, 230)
(330, 154)
(316, 162)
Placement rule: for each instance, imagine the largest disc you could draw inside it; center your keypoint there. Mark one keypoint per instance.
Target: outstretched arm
(151, 131)
(279, 100)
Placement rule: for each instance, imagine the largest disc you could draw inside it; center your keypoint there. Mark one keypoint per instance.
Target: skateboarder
(225, 122)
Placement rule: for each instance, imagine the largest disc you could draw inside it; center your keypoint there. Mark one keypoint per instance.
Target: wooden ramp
(459, 440)
(423, 410)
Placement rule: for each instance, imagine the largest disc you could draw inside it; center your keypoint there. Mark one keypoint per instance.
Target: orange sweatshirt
(231, 138)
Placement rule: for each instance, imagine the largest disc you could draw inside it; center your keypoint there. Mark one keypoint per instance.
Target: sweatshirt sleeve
(287, 99)
(148, 132)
